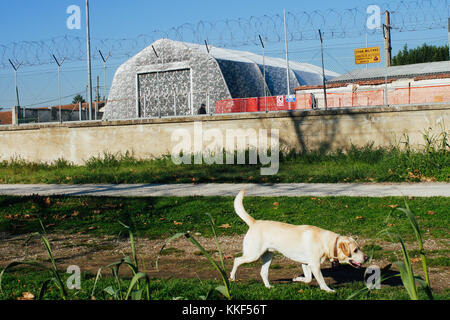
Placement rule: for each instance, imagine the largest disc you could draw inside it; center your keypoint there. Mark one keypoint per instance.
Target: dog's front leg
(318, 275)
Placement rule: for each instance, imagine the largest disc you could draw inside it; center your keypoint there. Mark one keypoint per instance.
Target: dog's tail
(239, 208)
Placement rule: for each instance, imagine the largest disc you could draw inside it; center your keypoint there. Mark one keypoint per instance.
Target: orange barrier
(353, 99)
(409, 95)
(273, 103)
(414, 95)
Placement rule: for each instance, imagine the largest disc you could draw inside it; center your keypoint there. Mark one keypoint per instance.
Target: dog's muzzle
(356, 264)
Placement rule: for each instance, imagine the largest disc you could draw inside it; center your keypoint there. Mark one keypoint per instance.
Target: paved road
(229, 189)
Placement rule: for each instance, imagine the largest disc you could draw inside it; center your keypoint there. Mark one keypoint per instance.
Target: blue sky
(40, 19)
(26, 20)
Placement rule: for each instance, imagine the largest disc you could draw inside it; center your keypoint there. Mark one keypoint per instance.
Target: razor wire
(407, 16)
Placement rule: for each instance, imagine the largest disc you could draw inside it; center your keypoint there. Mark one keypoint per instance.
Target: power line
(52, 100)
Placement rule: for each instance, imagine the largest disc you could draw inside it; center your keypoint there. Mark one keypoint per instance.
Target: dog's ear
(344, 248)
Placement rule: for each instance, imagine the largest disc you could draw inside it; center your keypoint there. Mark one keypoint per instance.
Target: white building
(408, 84)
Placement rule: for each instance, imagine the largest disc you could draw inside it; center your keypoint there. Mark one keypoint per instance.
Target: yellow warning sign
(367, 55)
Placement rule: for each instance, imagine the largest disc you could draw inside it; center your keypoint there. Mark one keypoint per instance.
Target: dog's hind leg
(241, 260)
(250, 253)
(307, 275)
(266, 260)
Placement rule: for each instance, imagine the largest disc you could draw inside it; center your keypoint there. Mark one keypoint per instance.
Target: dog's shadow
(346, 274)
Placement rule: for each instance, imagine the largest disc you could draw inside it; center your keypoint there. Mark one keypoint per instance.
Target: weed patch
(358, 164)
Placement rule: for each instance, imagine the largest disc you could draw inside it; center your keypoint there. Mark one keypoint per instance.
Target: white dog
(309, 245)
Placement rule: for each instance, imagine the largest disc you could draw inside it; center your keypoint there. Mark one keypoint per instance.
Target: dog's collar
(335, 252)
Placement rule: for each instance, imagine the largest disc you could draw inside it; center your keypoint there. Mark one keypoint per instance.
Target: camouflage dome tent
(174, 78)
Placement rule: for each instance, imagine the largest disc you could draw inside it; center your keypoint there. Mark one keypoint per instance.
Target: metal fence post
(386, 101)
(323, 74)
(409, 92)
(174, 104)
(80, 104)
(15, 115)
(145, 107)
(159, 108)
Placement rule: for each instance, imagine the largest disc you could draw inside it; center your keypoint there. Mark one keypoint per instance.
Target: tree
(77, 99)
(424, 53)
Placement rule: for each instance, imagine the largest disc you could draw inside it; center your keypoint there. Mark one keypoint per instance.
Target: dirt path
(181, 259)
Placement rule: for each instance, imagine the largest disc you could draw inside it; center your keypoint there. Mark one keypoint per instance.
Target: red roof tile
(372, 82)
(5, 117)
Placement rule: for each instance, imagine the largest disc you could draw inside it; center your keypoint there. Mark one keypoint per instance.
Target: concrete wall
(301, 130)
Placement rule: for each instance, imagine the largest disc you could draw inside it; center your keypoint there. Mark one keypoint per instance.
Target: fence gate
(166, 93)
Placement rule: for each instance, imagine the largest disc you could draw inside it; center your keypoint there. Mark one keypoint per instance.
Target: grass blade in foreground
(135, 280)
(406, 271)
(132, 263)
(17, 263)
(222, 272)
(225, 289)
(405, 266)
(412, 219)
(53, 270)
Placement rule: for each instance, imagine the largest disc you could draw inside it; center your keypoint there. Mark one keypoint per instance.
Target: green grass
(161, 217)
(439, 261)
(435, 258)
(365, 164)
(26, 280)
(154, 218)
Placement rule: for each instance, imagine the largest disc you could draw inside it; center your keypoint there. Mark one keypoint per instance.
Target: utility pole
(17, 89)
(367, 45)
(97, 97)
(104, 71)
(15, 80)
(387, 38)
(323, 73)
(448, 33)
(88, 50)
(448, 26)
(59, 84)
(387, 45)
(287, 57)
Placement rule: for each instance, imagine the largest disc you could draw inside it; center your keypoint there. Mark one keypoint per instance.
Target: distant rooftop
(5, 117)
(406, 71)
